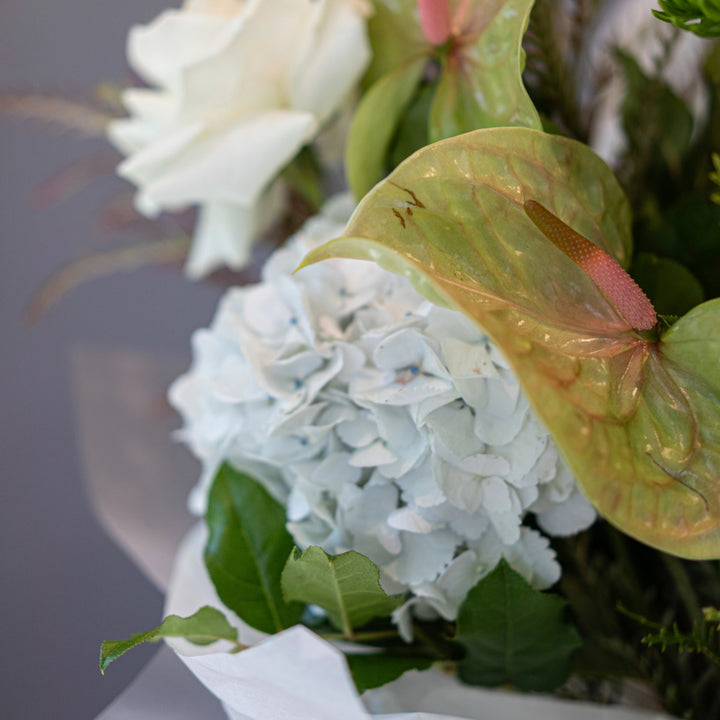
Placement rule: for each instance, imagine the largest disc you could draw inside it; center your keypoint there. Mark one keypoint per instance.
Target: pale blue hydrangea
(385, 424)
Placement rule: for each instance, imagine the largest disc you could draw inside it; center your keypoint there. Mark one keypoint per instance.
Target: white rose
(239, 87)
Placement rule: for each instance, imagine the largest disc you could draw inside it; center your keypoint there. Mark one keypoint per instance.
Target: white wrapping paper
(138, 481)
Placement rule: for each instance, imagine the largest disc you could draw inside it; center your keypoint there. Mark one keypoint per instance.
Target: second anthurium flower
(238, 88)
(439, 69)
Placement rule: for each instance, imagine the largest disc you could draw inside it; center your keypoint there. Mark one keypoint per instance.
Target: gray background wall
(64, 586)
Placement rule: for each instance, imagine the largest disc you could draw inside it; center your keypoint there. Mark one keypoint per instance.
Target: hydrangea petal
(568, 518)
(423, 557)
(409, 520)
(373, 455)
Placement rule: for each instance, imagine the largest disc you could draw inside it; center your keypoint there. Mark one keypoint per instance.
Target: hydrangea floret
(385, 424)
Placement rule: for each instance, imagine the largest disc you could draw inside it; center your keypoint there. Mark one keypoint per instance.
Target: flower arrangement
(490, 456)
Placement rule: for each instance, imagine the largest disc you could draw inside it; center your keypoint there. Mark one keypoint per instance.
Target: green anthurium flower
(476, 81)
(636, 414)
(481, 84)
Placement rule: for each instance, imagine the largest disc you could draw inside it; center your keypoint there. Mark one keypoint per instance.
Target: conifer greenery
(699, 16)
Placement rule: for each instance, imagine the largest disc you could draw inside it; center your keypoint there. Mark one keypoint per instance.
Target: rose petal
(333, 59)
(225, 232)
(173, 40)
(233, 166)
(153, 160)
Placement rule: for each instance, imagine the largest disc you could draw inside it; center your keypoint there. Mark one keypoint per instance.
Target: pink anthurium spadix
(435, 20)
(637, 416)
(606, 272)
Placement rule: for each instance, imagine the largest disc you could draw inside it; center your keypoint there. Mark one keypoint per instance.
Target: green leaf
(654, 117)
(206, 626)
(374, 670)
(346, 586)
(481, 84)
(690, 234)
(671, 287)
(374, 125)
(513, 634)
(637, 419)
(246, 551)
(715, 177)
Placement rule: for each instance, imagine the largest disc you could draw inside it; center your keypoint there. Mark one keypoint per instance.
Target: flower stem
(430, 643)
(683, 585)
(363, 636)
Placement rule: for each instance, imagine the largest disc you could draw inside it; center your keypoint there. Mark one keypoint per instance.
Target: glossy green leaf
(246, 551)
(346, 586)
(637, 419)
(481, 84)
(375, 123)
(513, 634)
(671, 287)
(206, 626)
(373, 670)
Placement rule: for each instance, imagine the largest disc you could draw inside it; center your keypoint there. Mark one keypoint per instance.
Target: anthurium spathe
(481, 84)
(636, 414)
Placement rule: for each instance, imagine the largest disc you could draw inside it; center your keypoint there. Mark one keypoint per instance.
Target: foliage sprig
(701, 17)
